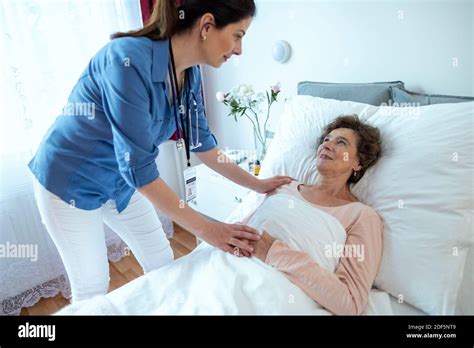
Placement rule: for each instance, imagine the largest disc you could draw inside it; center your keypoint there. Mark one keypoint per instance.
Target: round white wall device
(281, 51)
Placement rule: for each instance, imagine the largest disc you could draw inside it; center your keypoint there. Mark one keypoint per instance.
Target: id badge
(190, 184)
(180, 144)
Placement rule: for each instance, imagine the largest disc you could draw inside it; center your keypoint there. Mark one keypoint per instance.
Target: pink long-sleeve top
(347, 290)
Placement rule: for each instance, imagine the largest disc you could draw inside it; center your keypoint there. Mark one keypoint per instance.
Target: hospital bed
(423, 196)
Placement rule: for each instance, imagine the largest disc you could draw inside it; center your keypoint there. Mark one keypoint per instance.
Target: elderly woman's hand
(262, 246)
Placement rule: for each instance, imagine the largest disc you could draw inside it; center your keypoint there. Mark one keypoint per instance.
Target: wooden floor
(121, 272)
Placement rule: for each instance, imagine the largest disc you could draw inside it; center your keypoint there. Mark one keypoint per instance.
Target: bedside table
(216, 196)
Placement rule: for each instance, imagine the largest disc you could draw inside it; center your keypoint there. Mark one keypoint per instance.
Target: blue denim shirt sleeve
(206, 137)
(127, 107)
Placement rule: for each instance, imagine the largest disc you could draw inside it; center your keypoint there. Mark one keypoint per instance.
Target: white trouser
(80, 238)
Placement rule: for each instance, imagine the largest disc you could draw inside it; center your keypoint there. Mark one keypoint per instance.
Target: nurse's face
(221, 44)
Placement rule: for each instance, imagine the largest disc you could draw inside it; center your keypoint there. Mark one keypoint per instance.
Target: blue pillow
(401, 96)
(374, 93)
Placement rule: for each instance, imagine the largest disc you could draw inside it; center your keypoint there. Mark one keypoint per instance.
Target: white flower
(242, 91)
(220, 96)
(250, 90)
(245, 92)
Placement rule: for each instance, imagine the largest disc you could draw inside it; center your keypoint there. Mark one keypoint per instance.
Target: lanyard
(177, 97)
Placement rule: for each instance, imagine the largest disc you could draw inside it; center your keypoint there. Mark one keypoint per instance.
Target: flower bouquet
(244, 102)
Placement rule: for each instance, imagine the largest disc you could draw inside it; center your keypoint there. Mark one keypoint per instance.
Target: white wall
(415, 41)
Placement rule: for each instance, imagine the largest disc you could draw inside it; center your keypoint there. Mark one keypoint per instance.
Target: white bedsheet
(210, 281)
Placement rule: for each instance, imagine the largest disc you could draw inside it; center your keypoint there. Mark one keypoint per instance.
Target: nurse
(96, 164)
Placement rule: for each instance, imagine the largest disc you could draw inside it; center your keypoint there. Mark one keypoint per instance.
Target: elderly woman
(346, 149)
(210, 281)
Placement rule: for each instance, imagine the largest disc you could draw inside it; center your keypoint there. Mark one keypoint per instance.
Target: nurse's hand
(268, 185)
(232, 238)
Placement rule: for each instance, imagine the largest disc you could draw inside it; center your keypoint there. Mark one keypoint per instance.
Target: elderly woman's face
(337, 155)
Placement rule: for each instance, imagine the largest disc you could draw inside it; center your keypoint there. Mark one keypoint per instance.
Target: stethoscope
(187, 137)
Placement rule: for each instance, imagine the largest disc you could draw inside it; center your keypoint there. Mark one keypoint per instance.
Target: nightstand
(216, 196)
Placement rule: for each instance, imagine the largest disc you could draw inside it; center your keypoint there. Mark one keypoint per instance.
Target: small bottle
(256, 168)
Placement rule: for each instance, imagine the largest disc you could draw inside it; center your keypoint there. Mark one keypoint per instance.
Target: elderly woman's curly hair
(369, 143)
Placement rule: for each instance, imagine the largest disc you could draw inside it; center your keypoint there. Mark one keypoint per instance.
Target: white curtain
(44, 47)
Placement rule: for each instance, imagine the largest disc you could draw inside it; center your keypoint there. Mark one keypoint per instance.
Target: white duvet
(209, 281)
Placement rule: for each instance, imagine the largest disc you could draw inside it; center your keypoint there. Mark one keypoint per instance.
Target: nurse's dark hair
(170, 17)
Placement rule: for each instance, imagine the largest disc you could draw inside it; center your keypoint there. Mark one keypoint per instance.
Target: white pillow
(421, 186)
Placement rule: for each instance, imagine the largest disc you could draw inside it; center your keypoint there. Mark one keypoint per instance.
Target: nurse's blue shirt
(104, 144)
